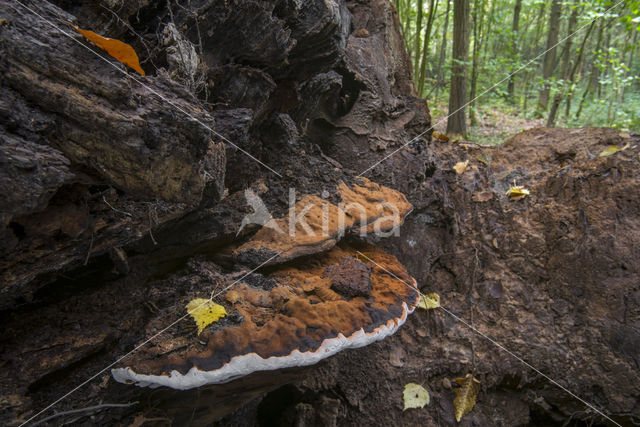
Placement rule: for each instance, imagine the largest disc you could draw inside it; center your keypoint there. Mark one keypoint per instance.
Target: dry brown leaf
(466, 394)
(123, 52)
(483, 196)
(440, 136)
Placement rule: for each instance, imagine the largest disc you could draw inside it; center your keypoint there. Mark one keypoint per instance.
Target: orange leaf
(117, 49)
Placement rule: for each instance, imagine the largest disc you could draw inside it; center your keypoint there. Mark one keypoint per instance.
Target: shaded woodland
(571, 63)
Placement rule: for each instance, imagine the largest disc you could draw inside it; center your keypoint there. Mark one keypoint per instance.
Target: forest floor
(494, 125)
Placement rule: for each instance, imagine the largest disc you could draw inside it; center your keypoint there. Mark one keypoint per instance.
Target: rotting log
(92, 155)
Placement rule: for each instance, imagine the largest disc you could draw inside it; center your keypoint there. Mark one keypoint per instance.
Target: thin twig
(117, 210)
(151, 226)
(88, 409)
(86, 260)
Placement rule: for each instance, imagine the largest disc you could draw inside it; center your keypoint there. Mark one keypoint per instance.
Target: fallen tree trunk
(117, 207)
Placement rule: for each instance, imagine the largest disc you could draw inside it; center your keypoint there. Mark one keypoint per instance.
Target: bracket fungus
(315, 225)
(294, 315)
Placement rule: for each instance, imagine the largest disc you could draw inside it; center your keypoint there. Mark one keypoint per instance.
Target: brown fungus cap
(365, 208)
(300, 320)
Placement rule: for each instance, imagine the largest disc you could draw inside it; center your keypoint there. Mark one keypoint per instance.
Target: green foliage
(603, 90)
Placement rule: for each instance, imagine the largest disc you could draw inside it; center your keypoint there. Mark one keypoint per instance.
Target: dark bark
(456, 123)
(83, 143)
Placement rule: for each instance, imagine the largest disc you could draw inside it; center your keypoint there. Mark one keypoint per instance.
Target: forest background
(574, 63)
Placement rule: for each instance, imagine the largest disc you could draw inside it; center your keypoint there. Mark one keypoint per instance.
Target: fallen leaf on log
(612, 149)
(415, 396)
(430, 301)
(517, 192)
(440, 136)
(205, 312)
(466, 394)
(122, 52)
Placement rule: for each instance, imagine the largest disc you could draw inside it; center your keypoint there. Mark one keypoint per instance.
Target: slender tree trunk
(514, 46)
(433, 6)
(629, 64)
(607, 44)
(485, 43)
(576, 68)
(406, 27)
(550, 56)
(532, 52)
(443, 50)
(565, 70)
(478, 7)
(416, 45)
(458, 93)
(593, 78)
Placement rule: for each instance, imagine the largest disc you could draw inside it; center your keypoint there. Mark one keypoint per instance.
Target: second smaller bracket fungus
(315, 225)
(318, 307)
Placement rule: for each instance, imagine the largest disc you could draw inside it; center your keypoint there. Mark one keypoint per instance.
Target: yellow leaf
(461, 167)
(415, 396)
(612, 149)
(205, 312)
(465, 395)
(117, 49)
(429, 301)
(517, 192)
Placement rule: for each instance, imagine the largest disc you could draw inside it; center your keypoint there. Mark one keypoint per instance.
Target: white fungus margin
(246, 364)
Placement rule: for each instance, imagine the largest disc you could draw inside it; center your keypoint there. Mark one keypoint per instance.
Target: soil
(108, 218)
